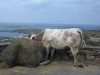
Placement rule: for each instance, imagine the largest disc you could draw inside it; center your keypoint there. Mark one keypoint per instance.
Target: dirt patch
(55, 66)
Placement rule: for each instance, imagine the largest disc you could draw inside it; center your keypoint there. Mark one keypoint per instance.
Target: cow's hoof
(75, 65)
(80, 66)
(45, 63)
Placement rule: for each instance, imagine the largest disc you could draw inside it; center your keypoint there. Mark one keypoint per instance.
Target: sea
(6, 28)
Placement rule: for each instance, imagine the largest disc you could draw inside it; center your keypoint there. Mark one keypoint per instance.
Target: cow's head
(32, 36)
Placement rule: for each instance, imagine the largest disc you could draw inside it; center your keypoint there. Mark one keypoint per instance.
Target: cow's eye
(70, 34)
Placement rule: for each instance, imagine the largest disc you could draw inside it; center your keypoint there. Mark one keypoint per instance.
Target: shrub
(24, 52)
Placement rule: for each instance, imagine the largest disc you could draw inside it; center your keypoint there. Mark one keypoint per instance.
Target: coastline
(87, 34)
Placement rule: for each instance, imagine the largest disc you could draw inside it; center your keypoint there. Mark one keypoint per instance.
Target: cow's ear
(33, 38)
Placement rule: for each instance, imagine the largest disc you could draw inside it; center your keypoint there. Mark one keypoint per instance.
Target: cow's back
(54, 38)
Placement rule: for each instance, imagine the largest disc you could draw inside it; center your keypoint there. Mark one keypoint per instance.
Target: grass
(92, 42)
(6, 39)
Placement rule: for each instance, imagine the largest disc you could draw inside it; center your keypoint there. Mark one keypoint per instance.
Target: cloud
(32, 1)
(38, 1)
(50, 4)
(52, 10)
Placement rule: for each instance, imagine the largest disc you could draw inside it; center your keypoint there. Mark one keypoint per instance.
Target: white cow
(61, 38)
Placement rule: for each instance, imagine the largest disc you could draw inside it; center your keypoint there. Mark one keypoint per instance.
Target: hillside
(92, 37)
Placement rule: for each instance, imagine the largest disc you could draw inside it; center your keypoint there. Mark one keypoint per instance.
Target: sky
(50, 11)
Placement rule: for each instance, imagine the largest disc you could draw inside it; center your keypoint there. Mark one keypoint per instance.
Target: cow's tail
(83, 44)
(39, 36)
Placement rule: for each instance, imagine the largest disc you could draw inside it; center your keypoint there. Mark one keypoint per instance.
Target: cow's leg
(47, 49)
(52, 53)
(46, 58)
(74, 53)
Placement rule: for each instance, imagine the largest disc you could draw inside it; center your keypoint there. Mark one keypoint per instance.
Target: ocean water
(5, 28)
